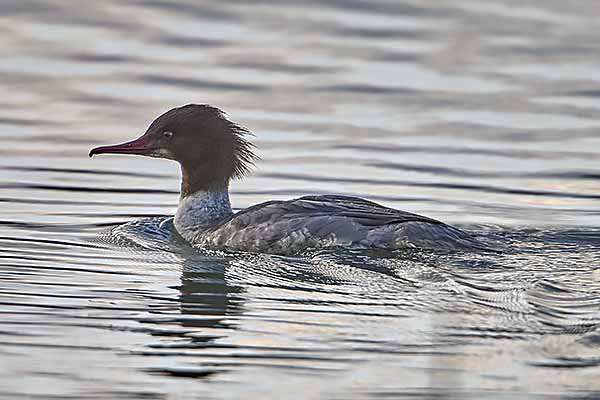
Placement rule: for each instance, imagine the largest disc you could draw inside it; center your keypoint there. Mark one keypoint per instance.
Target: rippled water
(483, 114)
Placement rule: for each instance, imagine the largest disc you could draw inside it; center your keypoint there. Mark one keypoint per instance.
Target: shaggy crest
(243, 148)
(212, 121)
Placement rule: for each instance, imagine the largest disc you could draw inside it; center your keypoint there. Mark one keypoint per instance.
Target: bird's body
(212, 150)
(315, 222)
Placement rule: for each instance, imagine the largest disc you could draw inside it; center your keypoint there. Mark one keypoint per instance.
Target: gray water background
(484, 114)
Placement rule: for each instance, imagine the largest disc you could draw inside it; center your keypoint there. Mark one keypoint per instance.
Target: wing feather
(361, 211)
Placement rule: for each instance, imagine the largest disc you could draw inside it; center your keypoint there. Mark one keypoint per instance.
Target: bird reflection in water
(206, 299)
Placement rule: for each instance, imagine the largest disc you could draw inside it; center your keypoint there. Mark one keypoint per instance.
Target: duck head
(210, 148)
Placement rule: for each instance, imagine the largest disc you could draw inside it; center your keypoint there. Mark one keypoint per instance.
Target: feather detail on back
(324, 221)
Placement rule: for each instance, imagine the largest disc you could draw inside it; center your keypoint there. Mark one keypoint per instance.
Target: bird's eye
(168, 134)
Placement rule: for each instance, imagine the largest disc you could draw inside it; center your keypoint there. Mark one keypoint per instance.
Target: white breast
(201, 210)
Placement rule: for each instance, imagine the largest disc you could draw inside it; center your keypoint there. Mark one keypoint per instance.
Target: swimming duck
(212, 150)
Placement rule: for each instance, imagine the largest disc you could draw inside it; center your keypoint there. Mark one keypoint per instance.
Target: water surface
(481, 114)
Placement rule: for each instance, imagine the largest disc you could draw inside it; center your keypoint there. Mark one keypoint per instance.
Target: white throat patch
(201, 210)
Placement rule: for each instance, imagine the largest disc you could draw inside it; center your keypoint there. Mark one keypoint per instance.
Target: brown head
(210, 148)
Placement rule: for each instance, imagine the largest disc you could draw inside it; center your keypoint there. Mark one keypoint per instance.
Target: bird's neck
(205, 177)
(201, 209)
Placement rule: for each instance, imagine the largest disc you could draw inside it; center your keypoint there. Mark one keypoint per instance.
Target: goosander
(212, 150)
